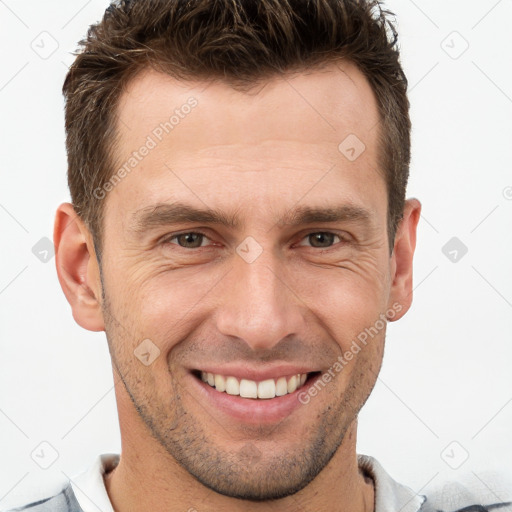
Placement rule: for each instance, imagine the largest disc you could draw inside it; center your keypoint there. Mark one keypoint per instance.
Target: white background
(446, 375)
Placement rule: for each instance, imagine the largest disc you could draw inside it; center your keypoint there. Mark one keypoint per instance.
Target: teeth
(267, 389)
(292, 384)
(220, 383)
(232, 386)
(281, 386)
(246, 388)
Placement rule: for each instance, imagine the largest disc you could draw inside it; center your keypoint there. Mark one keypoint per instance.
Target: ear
(77, 268)
(401, 259)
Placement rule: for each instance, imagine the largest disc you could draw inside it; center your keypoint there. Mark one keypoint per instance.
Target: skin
(256, 156)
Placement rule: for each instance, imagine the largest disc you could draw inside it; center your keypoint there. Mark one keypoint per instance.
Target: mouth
(266, 389)
(252, 397)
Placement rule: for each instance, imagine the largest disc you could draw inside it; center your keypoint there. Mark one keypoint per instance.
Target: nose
(259, 305)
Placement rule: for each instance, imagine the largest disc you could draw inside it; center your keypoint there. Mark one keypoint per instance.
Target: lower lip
(251, 410)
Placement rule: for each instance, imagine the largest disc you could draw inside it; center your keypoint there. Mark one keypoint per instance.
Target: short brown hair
(241, 42)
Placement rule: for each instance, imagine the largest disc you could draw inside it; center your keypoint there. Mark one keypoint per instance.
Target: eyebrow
(167, 214)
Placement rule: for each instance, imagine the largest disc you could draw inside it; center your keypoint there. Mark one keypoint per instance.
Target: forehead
(316, 105)
(265, 146)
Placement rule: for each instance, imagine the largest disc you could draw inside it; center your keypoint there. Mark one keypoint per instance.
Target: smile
(246, 388)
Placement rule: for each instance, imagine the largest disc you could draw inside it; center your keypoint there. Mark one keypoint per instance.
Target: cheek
(163, 302)
(348, 300)
(359, 363)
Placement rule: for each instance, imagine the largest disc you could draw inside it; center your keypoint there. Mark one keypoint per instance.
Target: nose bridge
(258, 307)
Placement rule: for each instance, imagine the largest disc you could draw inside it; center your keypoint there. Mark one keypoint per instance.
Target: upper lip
(256, 374)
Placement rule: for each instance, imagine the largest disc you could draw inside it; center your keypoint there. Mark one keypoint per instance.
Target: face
(245, 243)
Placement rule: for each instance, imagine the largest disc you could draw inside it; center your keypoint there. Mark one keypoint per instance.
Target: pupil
(188, 239)
(325, 239)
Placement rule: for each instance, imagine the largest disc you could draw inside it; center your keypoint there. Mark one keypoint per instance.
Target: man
(239, 230)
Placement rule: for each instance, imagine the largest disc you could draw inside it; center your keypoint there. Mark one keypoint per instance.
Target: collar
(390, 496)
(89, 487)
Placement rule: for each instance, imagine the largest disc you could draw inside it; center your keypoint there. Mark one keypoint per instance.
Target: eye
(195, 240)
(189, 240)
(321, 239)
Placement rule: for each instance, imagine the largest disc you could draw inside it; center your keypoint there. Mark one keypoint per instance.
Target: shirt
(87, 493)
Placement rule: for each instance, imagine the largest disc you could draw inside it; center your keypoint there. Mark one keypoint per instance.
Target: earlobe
(402, 258)
(77, 268)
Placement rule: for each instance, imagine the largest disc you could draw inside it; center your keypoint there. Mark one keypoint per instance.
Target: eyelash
(168, 239)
